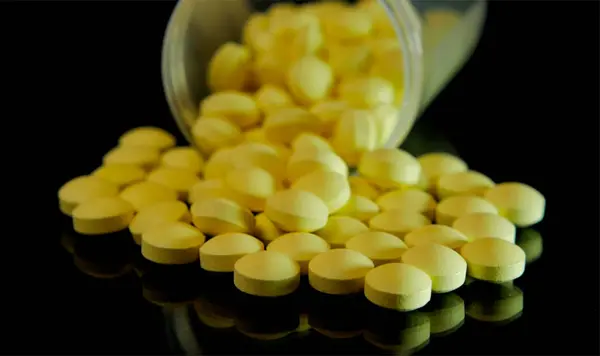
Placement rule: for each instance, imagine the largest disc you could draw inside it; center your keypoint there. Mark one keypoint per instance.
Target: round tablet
(284, 125)
(493, 260)
(445, 266)
(398, 286)
(237, 107)
(180, 180)
(340, 229)
(304, 162)
(307, 141)
(408, 200)
(213, 133)
(355, 133)
(450, 209)
(300, 247)
(478, 225)
(219, 163)
(339, 271)
(187, 158)
(121, 175)
(206, 189)
(250, 187)
(437, 234)
(296, 210)
(329, 112)
(172, 243)
(390, 168)
(148, 136)
(82, 189)
(437, 164)
(259, 155)
(220, 253)
(146, 193)
(266, 274)
(380, 247)
(359, 207)
(398, 222)
(361, 186)
(331, 187)
(144, 157)
(463, 183)
(155, 214)
(264, 228)
(218, 216)
(102, 216)
(521, 204)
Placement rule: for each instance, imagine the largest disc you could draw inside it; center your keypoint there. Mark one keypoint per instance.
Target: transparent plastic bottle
(436, 38)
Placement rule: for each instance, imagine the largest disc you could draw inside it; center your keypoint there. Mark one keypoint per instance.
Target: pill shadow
(171, 285)
(101, 256)
(446, 313)
(531, 241)
(497, 304)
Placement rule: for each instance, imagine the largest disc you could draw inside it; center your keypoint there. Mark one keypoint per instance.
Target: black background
(78, 74)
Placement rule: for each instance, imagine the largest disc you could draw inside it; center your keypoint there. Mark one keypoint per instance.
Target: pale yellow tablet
(380, 247)
(214, 133)
(390, 168)
(218, 216)
(398, 222)
(296, 210)
(180, 180)
(398, 286)
(229, 69)
(266, 274)
(310, 142)
(304, 162)
(156, 214)
(299, 246)
(284, 125)
(207, 189)
(264, 229)
(446, 313)
(354, 134)
(493, 260)
(146, 193)
(478, 225)
(147, 136)
(361, 186)
(331, 187)
(339, 271)
(250, 187)
(436, 164)
(450, 209)
(445, 266)
(260, 155)
(359, 207)
(172, 243)
(340, 229)
(521, 204)
(220, 253)
(414, 200)
(102, 216)
(121, 175)
(82, 189)
(142, 156)
(310, 80)
(219, 163)
(439, 234)
(463, 183)
(187, 158)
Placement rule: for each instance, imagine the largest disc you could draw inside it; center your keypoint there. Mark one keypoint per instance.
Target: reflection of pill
(438, 234)
(82, 189)
(102, 216)
(463, 183)
(206, 189)
(144, 157)
(264, 229)
(250, 187)
(156, 214)
(180, 180)
(521, 204)
(147, 193)
(172, 243)
(398, 222)
(147, 136)
(220, 253)
(120, 174)
(218, 216)
(478, 225)
(390, 168)
(361, 186)
(445, 266)
(531, 242)
(493, 260)
(499, 304)
(446, 313)
(359, 207)
(450, 209)
(331, 187)
(398, 286)
(296, 210)
(266, 274)
(339, 271)
(437, 164)
(409, 200)
(299, 246)
(340, 229)
(380, 247)
(187, 158)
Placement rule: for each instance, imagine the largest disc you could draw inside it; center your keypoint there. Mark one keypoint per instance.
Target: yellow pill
(220, 253)
(219, 163)
(493, 260)
(386, 119)
(144, 157)
(228, 69)
(329, 113)
(398, 222)
(347, 60)
(256, 25)
(270, 68)
(437, 234)
(450, 209)
(359, 207)
(398, 286)
(250, 187)
(331, 187)
(354, 134)
(310, 142)
(304, 162)
(264, 228)
(212, 133)
(310, 80)
(207, 189)
(187, 158)
(409, 200)
(521, 204)
(82, 189)
(300, 247)
(436, 164)
(219, 216)
(296, 210)
(152, 137)
(307, 40)
(366, 92)
(172, 243)
(350, 24)
(147, 193)
(102, 216)
(339, 271)
(390, 168)
(266, 274)
(156, 214)
(361, 186)
(386, 65)
(478, 225)
(239, 108)
(120, 174)
(463, 183)
(270, 98)
(380, 46)
(380, 247)
(445, 266)
(180, 180)
(340, 229)
(286, 124)
(259, 155)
